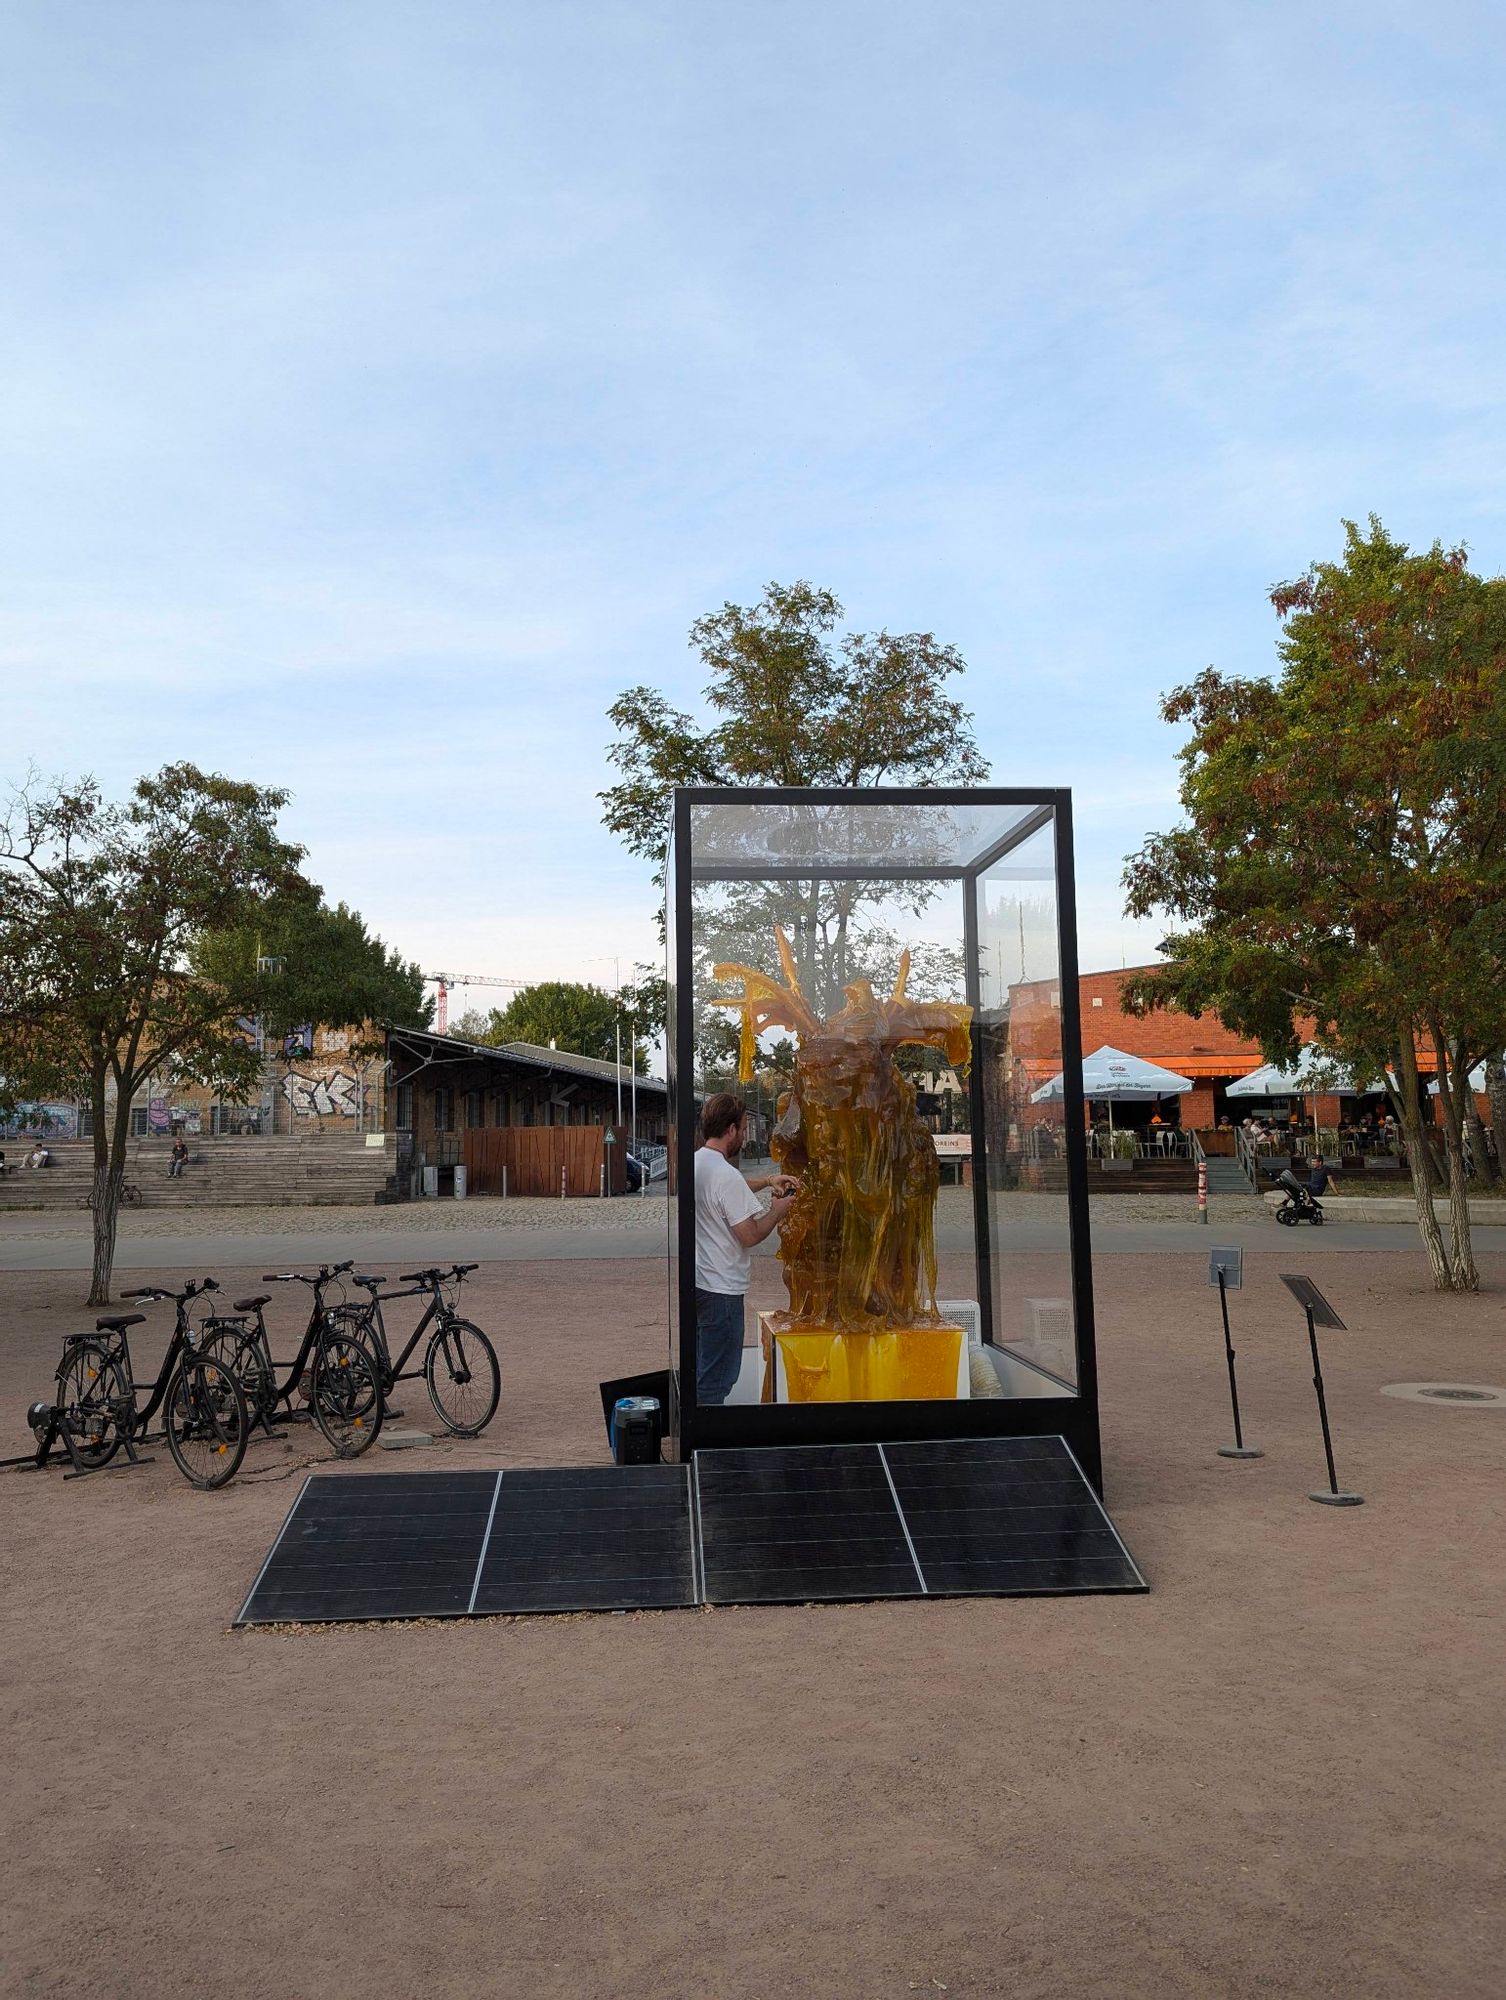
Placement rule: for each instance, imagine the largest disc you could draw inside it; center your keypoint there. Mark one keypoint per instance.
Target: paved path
(549, 1231)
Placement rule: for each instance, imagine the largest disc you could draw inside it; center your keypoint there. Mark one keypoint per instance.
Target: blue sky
(383, 387)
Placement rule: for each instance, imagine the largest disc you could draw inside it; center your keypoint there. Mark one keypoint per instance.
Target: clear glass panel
(852, 984)
(1029, 1250)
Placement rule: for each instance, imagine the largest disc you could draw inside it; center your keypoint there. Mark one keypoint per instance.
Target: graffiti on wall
(327, 1094)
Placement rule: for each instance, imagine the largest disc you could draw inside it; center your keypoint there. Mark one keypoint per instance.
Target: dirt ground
(1279, 1773)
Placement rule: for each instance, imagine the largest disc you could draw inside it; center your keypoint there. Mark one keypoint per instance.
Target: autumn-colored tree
(1344, 855)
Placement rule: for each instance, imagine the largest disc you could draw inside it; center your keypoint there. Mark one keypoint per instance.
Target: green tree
(1344, 856)
(101, 908)
(791, 704)
(309, 961)
(583, 1020)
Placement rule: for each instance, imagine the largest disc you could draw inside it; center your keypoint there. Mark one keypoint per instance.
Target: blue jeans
(718, 1344)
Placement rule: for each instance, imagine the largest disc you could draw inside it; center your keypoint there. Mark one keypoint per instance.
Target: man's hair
(720, 1113)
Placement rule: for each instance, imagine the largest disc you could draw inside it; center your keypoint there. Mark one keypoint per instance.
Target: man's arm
(781, 1183)
(751, 1232)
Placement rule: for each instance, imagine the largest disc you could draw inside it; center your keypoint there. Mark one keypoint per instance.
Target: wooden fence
(535, 1156)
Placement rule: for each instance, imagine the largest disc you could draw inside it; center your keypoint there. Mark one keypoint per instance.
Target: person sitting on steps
(179, 1158)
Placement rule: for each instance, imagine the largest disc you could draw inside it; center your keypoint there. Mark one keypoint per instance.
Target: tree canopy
(1344, 856)
(790, 703)
(791, 706)
(309, 961)
(101, 908)
(583, 1020)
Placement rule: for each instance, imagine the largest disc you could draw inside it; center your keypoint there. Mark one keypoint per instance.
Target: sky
(385, 387)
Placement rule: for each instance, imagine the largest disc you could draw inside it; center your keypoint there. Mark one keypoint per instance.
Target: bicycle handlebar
(434, 1275)
(191, 1291)
(323, 1276)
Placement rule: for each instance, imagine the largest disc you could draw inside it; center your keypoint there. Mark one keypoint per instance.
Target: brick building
(440, 1088)
(1199, 1047)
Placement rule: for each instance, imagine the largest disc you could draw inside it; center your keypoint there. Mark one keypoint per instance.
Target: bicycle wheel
(345, 1393)
(93, 1395)
(465, 1382)
(207, 1422)
(247, 1358)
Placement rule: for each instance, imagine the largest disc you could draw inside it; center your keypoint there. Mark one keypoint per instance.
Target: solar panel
(375, 1545)
(1004, 1517)
(793, 1523)
(785, 1524)
(589, 1538)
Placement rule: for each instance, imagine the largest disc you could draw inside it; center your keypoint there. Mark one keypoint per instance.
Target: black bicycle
(129, 1197)
(460, 1365)
(94, 1413)
(335, 1369)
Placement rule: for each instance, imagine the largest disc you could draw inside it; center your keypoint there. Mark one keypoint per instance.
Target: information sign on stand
(1228, 1265)
(1320, 1313)
(1226, 1273)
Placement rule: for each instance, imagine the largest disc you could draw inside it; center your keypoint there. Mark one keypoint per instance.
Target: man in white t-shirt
(730, 1223)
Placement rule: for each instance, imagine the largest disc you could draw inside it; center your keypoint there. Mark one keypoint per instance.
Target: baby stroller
(1300, 1205)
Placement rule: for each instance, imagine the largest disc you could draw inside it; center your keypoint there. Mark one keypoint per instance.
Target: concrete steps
(314, 1171)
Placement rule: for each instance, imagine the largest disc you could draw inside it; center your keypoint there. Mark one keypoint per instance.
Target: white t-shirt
(722, 1197)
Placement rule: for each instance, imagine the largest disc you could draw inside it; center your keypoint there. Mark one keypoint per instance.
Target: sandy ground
(1279, 1773)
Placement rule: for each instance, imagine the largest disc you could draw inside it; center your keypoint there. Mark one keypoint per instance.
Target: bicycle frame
(393, 1371)
(317, 1321)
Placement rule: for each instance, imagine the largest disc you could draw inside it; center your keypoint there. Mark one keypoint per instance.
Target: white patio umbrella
(1476, 1082)
(1312, 1074)
(1113, 1078)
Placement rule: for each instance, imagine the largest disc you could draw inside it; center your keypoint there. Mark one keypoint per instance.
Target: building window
(444, 1109)
(405, 1107)
(139, 1122)
(473, 1110)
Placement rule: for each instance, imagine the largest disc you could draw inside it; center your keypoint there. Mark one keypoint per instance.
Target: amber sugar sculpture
(859, 1244)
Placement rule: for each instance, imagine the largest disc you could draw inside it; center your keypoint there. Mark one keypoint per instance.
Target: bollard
(504, 1183)
(562, 1184)
(1202, 1197)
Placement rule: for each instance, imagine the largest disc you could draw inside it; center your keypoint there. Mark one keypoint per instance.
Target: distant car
(634, 1173)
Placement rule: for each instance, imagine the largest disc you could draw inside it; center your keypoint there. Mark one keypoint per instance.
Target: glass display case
(886, 982)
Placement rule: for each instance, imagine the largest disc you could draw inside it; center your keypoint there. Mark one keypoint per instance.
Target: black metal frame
(729, 1425)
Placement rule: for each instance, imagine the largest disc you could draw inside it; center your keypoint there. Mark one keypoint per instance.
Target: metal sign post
(1320, 1313)
(1226, 1270)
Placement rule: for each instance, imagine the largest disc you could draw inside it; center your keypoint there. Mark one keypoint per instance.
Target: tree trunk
(1484, 1160)
(1495, 1086)
(1453, 1092)
(109, 1171)
(1420, 1168)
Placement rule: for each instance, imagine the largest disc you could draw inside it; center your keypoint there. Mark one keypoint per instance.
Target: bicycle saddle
(118, 1322)
(250, 1305)
(358, 1279)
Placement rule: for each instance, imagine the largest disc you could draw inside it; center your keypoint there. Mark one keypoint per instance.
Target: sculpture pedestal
(908, 1364)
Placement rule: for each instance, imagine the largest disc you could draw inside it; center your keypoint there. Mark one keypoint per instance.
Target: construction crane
(443, 981)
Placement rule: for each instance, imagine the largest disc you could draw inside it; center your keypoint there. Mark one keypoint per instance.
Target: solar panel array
(788, 1524)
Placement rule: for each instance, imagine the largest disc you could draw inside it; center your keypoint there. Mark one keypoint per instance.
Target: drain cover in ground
(1464, 1395)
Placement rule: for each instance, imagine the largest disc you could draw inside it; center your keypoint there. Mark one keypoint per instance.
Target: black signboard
(1307, 1295)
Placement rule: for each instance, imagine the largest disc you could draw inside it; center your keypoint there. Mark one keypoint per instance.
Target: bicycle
(460, 1367)
(335, 1368)
(95, 1412)
(129, 1197)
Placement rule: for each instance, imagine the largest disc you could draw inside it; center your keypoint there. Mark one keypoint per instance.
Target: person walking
(730, 1223)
